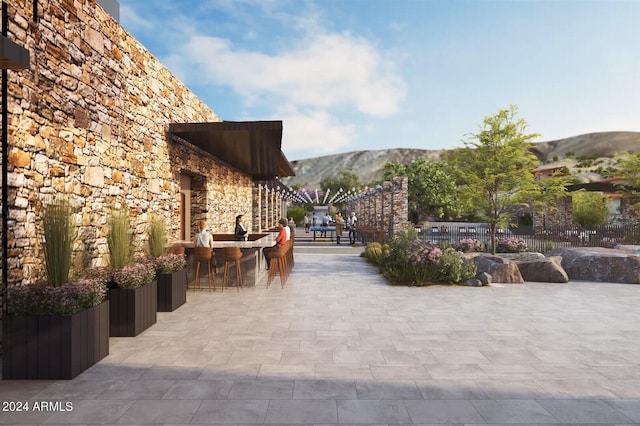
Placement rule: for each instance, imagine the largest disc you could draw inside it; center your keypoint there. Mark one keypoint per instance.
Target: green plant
(119, 239)
(67, 299)
(157, 233)
(134, 275)
(58, 238)
(170, 263)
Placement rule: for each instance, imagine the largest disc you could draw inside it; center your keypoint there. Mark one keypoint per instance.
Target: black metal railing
(541, 239)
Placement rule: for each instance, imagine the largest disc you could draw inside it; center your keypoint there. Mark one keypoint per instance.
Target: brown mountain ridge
(601, 147)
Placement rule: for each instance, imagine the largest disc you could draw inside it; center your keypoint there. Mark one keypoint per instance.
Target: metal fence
(539, 239)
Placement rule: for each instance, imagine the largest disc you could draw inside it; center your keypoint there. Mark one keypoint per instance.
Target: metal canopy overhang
(12, 56)
(253, 147)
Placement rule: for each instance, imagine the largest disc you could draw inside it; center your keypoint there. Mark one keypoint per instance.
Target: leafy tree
(345, 180)
(629, 171)
(590, 209)
(551, 190)
(432, 187)
(494, 169)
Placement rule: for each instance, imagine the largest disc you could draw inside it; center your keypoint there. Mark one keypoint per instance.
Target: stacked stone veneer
(385, 207)
(561, 216)
(89, 119)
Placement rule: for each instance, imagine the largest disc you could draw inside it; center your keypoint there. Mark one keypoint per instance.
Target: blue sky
(346, 75)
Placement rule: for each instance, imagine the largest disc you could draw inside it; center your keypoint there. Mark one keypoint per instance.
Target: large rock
(522, 257)
(502, 270)
(544, 270)
(599, 264)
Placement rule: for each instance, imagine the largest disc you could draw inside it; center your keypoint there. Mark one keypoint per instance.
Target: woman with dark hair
(240, 231)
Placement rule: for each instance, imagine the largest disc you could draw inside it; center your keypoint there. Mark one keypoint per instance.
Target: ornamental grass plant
(119, 239)
(57, 240)
(157, 233)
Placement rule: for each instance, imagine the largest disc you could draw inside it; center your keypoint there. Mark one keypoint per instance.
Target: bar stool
(205, 254)
(232, 254)
(278, 264)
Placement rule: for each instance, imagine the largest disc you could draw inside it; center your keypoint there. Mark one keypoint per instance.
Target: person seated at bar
(203, 238)
(241, 231)
(281, 240)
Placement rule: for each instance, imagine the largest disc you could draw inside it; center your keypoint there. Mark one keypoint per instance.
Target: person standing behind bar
(203, 238)
(281, 240)
(240, 231)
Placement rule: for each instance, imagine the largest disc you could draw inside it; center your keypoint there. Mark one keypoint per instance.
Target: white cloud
(316, 132)
(323, 71)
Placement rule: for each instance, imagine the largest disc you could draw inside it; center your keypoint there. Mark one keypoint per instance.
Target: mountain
(368, 165)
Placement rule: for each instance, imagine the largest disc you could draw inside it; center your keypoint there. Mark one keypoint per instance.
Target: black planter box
(54, 347)
(172, 290)
(132, 310)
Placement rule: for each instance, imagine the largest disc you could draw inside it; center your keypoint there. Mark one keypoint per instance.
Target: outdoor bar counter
(252, 264)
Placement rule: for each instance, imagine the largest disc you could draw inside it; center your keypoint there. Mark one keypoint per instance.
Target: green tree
(494, 169)
(590, 209)
(629, 171)
(432, 187)
(345, 180)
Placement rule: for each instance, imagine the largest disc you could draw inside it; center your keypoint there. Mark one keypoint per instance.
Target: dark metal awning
(12, 56)
(253, 147)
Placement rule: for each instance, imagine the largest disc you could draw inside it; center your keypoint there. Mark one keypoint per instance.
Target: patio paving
(338, 345)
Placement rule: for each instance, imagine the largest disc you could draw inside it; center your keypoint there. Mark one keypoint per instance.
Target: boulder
(501, 270)
(485, 278)
(544, 270)
(599, 264)
(633, 249)
(473, 282)
(521, 257)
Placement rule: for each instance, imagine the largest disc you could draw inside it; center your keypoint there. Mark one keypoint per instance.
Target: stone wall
(385, 206)
(89, 119)
(562, 216)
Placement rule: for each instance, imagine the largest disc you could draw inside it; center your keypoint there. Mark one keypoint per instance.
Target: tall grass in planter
(119, 239)
(55, 329)
(157, 233)
(57, 241)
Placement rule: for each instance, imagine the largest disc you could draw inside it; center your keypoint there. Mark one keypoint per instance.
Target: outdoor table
(331, 230)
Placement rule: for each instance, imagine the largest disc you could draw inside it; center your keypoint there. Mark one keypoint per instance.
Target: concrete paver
(338, 345)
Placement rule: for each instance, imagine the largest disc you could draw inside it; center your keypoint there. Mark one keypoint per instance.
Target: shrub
(454, 268)
(57, 240)
(510, 245)
(468, 245)
(157, 233)
(410, 261)
(67, 299)
(373, 252)
(170, 263)
(134, 275)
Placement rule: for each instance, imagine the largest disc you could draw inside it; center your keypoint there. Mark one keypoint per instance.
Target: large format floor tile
(338, 345)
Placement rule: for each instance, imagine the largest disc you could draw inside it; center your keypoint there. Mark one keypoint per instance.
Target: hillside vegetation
(586, 156)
